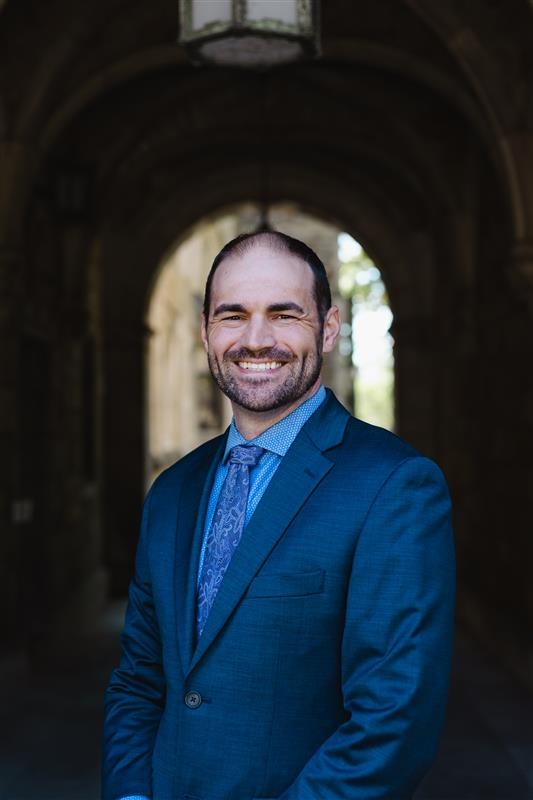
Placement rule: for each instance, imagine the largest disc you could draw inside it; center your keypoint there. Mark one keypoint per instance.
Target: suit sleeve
(136, 692)
(396, 648)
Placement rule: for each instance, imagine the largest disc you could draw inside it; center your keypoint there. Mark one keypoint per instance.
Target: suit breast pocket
(287, 584)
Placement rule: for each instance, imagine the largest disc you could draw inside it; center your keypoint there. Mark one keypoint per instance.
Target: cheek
(220, 342)
(308, 344)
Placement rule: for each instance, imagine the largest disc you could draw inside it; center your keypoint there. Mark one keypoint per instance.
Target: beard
(264, 392)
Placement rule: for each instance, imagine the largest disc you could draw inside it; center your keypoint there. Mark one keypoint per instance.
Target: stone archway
(412, 131)
(128, 275)
(183, 406)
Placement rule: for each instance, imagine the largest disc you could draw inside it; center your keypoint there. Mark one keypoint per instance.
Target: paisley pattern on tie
(226, 528)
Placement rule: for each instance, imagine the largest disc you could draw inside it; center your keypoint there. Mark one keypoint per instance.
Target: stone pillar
(414, 398)
(519, 150)
(522, 273)
(20, 509)
(521, 270)
(497, 548)
(124, 348)
(488, 353)
(15, 510)
(16, 164)
(75, 465)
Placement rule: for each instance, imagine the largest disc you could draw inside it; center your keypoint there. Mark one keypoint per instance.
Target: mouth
(259, 366)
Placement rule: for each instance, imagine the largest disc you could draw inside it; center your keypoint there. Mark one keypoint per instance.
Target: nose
(258, 334)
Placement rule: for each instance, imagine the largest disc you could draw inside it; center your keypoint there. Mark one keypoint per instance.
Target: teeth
(259, 367)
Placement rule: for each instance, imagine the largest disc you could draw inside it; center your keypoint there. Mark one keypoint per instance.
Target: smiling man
(264, 330)
(289, 625)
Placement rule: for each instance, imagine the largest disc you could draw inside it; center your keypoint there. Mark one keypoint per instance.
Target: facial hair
(258, 395)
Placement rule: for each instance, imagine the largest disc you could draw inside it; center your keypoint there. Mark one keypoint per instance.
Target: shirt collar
(279, 437)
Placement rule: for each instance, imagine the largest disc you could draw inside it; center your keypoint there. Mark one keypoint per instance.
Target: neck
(253, 423)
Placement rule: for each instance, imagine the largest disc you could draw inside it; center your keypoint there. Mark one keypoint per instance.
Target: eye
(285, 317)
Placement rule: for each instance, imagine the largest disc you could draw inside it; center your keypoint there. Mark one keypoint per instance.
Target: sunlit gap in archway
(184, 407)
(371, 342)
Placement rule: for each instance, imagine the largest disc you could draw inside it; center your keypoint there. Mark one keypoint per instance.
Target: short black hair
(281, 242)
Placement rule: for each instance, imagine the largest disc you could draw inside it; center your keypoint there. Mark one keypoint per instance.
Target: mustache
(269, 354)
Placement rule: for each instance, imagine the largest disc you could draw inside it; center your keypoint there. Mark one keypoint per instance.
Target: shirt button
(193, 699)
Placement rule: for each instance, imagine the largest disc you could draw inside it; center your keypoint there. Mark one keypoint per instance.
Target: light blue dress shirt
(276, 440)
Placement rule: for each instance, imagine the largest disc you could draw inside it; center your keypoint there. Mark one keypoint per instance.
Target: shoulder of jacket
(371, 442)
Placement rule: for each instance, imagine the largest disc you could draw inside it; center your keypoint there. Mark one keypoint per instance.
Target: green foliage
(360, 279)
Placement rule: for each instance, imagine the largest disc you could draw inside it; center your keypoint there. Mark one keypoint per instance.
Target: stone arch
(128, 269)
(493, 76)
(106, 81)
(412, 130)
(466, 53)
(203, 143)
(183, 407)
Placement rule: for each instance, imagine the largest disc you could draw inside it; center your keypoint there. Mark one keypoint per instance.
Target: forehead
(262, 270)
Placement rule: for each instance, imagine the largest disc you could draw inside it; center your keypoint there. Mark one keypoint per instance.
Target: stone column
(16, 166)
(490, 378)
(519, 150)
(15, 510)
(521, 270)
(414, 387)
(501, 611)
(17, 502)
(75, 466)
(123, 443)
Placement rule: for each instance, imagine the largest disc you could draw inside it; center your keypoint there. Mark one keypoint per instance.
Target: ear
(332, 326)
(203, 332)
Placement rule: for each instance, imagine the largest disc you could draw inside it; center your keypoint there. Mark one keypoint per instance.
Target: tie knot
(245, 454)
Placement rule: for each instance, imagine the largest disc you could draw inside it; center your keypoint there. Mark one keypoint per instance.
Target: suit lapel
(189, 537)
(300, 471)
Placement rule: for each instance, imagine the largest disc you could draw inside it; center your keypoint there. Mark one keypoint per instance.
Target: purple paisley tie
(226, 527)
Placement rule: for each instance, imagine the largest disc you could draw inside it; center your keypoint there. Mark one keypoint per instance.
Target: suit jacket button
(193, 699)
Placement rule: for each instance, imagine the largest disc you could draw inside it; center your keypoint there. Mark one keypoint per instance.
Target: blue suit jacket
(322, 671)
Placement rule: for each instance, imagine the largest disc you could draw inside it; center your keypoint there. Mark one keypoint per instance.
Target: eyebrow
(288, 306)
(225, 308)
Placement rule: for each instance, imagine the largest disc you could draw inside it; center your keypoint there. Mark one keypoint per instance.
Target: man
(289, 626)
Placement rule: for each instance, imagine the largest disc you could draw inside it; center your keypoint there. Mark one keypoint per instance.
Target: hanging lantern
(249, 33)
